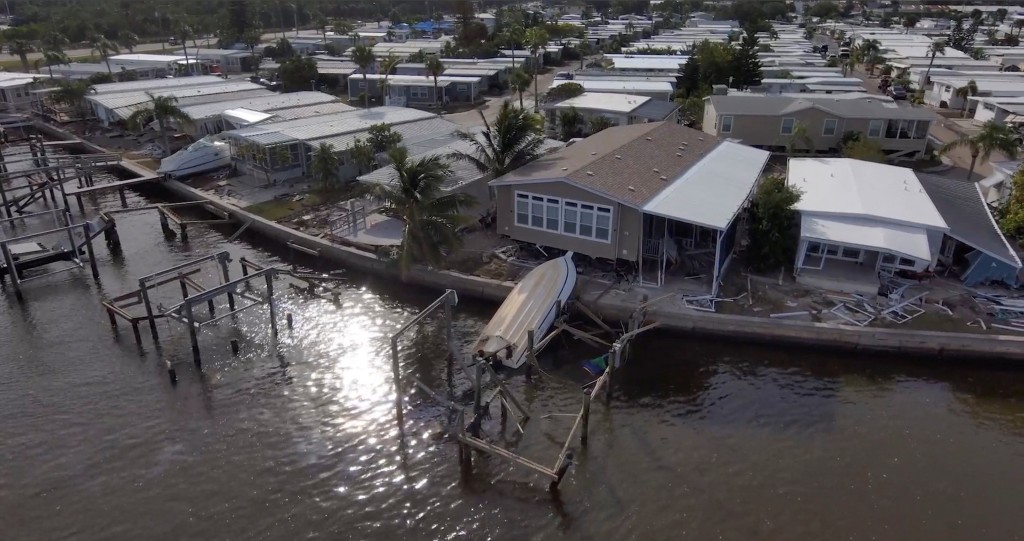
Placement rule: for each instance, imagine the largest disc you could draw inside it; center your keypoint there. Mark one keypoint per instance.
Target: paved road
(471, 119)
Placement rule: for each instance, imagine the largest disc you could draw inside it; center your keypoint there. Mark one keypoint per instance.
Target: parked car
(172, 40)
(884, 83)
(897, 92)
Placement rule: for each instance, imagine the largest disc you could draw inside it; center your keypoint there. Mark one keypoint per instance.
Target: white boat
(206, 154)
(530, 306)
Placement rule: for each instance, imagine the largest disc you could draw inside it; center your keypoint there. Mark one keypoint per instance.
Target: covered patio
(689, 229)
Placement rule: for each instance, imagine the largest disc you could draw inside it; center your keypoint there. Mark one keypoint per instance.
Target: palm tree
(128, 40)
(184, 31)
(325, 166)
(1018, 24)
(536, 39)
(969, 89)
(100, 44)
(252, 37)
(570, 121)
(364, 58)
(416, 197)
(991, 138)
(22, 48)
(388, 65)
(511, 37)
(511, 142)
(163, 109)
(520, 82)
(867, 49)
(72, 94)
(54, 58)
(937, 47)
(435, 68)
(54, 41)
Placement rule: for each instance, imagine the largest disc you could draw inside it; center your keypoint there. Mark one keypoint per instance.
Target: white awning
(868, 234)
(242, 117)
(713, 191)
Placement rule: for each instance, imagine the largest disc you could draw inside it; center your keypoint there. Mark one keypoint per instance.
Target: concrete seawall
(924, 344)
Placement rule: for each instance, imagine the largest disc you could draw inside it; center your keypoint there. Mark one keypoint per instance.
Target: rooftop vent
(593, 153)
(679, 154)
(565, 169)
(590, 173)
(656, 170)
(630, 188)
(663, 177)
(618, 157)
(700, 138)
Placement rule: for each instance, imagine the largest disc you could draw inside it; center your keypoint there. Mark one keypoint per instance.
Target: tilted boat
(206, 154)
(530, 306)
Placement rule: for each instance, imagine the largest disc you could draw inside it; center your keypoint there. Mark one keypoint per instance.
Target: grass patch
(15, 64)
(280, 209)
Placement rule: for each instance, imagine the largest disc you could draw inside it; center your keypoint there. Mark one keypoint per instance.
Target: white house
(16, 88)
(943, 90)
(618, 109)
(861, 220)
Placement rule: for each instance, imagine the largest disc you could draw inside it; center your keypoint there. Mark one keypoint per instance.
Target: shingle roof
(867, 107)
(630, 164)
(963, 207)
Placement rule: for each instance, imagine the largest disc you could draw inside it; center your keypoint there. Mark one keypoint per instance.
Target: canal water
(704, 439)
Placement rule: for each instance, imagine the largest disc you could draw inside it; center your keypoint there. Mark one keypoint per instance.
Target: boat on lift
(531, 305)
(206, 154)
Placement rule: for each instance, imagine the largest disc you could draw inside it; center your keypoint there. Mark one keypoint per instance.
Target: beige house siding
(626, 221)
(765, 131)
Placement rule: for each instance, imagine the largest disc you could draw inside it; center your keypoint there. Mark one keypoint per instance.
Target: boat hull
(531, 305)
(187, 162)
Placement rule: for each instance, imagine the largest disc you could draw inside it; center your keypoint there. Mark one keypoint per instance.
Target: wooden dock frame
(468, 435)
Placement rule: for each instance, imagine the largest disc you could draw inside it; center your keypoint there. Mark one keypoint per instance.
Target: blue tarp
(985, 269)
(430, 26)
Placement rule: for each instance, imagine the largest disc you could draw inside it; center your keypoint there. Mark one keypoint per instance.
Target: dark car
(897, 93)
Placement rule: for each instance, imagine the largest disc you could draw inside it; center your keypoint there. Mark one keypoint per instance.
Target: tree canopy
(298, 73)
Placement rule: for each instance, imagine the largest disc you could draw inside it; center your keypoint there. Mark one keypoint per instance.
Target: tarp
(242, 117)
(867, 234)
(984, 269)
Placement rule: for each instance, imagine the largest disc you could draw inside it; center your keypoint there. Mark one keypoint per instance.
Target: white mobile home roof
(312, 128)
(150, 84)
(319, 109)
(598, 101)
(270, 102)
(244, 117)
(115, 101)
(712, 191)
(855, 188)
(619, 86)
(650, 63)
(142, 57)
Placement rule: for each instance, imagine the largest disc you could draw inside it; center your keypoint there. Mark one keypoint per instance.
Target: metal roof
(413, 133)
(319, 109)
(462, 172)
(150, 84)
(619, 86)
(328, 126)
(264, 103)
(656, 110)
(125, 99)
(963, 207)
(124, 112)
(713, 191)
(599, 101)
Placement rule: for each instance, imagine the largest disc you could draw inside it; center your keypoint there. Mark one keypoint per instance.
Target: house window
(462, 88)
(537, 211)
(727, 124)
(788, 125)
(362, 85)
(831, 126)
(419, 92)
(989, 106)
(567, 217)
(834, 251)
(905, 263)
(875, 128)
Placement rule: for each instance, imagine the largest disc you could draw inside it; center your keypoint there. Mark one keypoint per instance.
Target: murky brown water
(705, 440)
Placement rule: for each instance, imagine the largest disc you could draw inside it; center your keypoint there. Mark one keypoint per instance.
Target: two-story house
(809, 124)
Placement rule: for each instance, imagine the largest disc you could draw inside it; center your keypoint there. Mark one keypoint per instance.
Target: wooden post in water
(270, 302)
(613, 362)
(164, 226)
(124, 200)
(3, 198)
(227, 278)
(192, 335)
(12, 270)
(144, 291)
(478, 385)
(184, 233)
(396, 373)
(113, 319)
(135, 331)
(90, 252)
(81, 205)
